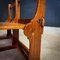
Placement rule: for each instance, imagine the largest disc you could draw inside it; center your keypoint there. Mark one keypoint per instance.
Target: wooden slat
(9, 13)
(17, 12)
(11, 25)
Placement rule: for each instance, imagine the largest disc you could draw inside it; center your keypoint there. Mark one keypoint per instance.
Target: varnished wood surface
(11, 25)
(9, 13)
(32, 30)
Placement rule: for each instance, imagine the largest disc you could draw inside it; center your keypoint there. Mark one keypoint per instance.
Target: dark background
(28, 9)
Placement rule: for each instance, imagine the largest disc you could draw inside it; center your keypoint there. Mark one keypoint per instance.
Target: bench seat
(11, 25)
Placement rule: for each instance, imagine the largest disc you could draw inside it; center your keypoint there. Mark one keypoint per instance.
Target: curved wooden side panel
(40, 9)
(33, 31)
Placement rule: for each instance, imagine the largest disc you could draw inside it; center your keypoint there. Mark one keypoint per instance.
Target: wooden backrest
(39, 13)
(40, 10)
(9, 13)
(17, 12)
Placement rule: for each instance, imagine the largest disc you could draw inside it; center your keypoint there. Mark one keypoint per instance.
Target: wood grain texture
(34, 30)
(9, 13)
(10, 25)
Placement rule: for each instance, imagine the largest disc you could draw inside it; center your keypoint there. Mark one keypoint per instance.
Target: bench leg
(35, 48)
(15, 37)
(33, 31)
(8, 32)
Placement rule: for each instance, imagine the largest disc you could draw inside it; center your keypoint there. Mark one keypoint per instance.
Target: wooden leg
(15, 37)
(8, 32)
(33, 32)
(16, 33)
(35, 47)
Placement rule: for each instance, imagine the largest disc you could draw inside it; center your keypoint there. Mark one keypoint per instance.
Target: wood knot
(33, 31)
(39, 21)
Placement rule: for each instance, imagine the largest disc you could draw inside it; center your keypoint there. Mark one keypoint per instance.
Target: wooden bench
(33, 30)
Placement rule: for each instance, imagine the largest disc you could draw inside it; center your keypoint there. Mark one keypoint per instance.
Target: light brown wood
(17, 12)
(12, 25)
(9, 13)
(34, 30)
